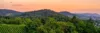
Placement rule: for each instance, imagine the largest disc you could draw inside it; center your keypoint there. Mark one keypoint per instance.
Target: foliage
(50, 24)
(5, 28)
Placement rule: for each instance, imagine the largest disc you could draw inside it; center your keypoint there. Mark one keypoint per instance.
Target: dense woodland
(46, 24)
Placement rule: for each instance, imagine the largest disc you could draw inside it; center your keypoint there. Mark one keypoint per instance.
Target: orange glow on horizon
(57, 5)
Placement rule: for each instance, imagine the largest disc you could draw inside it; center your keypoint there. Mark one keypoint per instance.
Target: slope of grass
(5, 28)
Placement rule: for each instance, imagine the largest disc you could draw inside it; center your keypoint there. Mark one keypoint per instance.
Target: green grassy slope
(12, 28)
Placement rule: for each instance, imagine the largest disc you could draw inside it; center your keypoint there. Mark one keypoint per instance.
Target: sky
(74, 6)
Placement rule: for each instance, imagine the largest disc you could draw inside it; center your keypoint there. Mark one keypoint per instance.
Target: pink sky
(74, 6)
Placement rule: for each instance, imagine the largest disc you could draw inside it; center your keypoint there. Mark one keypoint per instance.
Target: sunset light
(75, 6)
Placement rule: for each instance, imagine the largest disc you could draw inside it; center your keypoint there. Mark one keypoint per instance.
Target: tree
(91, 20)
(32, 26)
(74, 19)
(90, 27)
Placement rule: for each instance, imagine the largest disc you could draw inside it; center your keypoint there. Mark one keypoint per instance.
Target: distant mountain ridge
(41, 13)
(82, 15)
(7, 12)
(66, 13)
(48, 12)
(89, 15)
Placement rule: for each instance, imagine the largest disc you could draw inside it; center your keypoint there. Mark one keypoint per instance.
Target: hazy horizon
(73, 6)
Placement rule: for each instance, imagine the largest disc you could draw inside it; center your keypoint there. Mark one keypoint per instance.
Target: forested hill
(7, 12)
(48, 12)
(41, 13)
(46, 21)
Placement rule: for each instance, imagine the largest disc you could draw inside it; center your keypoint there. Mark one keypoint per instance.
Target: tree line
(52, 24)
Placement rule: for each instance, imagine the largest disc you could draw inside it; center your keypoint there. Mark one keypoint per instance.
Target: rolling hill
(7, 12)
(41, 13)
(48, 12)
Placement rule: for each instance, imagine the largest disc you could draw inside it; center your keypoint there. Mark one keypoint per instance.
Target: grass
(9, 28)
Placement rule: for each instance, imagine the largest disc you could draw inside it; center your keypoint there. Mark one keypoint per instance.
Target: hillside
(89, 15)
(6, 28)
(48, 12)
(66, 13)
(41, 13)
(82, 15)
(7, 12)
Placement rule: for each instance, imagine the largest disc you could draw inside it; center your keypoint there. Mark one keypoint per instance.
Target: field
(5, 28)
